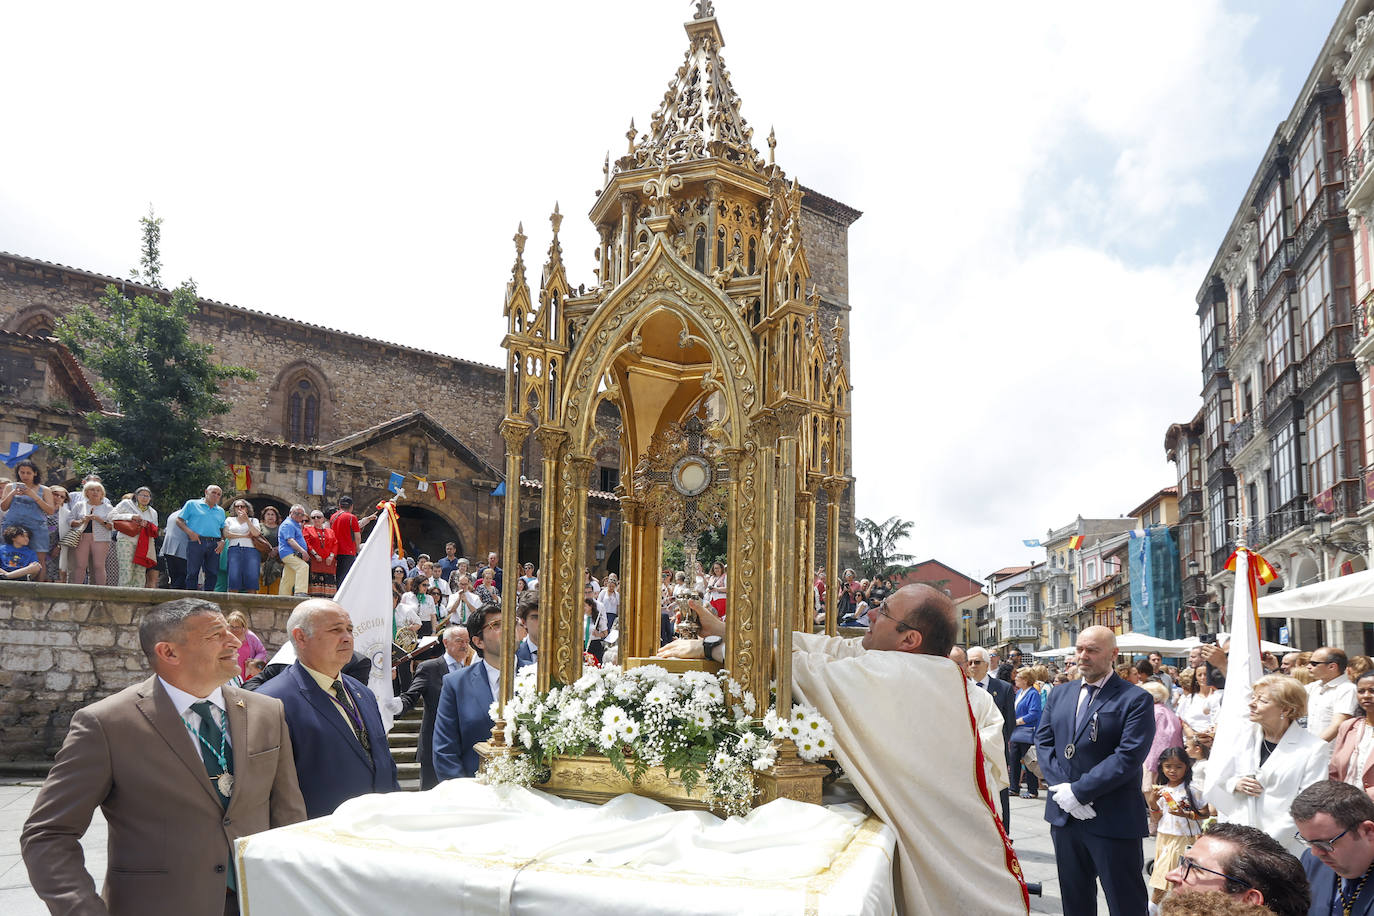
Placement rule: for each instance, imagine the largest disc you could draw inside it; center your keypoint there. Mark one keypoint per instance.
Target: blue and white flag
(500, 489)
(605, 526)
(314, 483)
(19, 451)
(395, 481)
(1032, 542)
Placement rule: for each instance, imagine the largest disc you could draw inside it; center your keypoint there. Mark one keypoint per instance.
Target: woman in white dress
(131, 574)
(91, 516)
(1279, 759)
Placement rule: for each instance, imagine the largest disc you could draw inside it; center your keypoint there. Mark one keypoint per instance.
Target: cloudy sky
(1043, 187)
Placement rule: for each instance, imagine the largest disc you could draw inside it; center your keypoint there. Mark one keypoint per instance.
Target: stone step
(403, 739)
(403, 754)
(405, 771)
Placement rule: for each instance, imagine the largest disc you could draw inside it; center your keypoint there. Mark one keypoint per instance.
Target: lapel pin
(239, 704)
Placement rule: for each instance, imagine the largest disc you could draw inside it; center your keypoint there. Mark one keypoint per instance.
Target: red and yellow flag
(440, 490)
(1076, 542)
(243, 477)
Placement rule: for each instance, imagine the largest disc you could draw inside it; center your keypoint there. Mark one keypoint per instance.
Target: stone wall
(63, 647)
(362, 382)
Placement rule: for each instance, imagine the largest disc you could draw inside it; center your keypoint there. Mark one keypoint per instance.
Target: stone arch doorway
(529, 547)
(424, 531)
(260, 503)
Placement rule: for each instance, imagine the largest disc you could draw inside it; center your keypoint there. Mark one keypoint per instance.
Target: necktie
(1091, 690)
(214, 746)
(344, 700)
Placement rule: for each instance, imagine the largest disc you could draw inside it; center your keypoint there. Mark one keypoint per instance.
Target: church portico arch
(426, 531)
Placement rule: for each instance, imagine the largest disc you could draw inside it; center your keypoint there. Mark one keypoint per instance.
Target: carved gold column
(806, 549)
(789, 469)
(515, 432)
(742, 602)
(766, 429)
(636, 584)
(627, 203)
(834, 489)
(552, 442)
(580, 469)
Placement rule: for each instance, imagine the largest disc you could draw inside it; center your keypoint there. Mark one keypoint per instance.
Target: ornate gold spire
(700, 114)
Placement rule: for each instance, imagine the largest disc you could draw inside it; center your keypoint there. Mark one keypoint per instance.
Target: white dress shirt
(183, 700)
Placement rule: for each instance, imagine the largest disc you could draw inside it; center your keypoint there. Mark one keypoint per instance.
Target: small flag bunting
(314, 483)
(605, 526)
(423, 485)
(1076, 542)
(500, 489)
(395, 481)
(243, 477)
(440, 490)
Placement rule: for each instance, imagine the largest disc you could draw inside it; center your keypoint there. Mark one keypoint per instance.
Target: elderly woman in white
(1278, 760)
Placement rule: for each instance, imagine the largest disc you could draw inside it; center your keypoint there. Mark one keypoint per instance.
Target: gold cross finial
(519, 238)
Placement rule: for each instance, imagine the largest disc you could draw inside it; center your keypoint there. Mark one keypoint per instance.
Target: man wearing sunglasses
(1245, 863)
(1335, 822)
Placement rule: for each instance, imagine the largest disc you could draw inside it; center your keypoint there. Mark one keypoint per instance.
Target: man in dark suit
(425, 687)
(1092, 742)
(336, 729)
(1336, 822)
(180, 765)
(463, 718)
(527, 609)
(1004, 697)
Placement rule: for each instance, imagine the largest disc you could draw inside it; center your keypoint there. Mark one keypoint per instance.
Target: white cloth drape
(465, 847)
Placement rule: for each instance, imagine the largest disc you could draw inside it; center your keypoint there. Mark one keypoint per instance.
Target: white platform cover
(1343, 598)
(467, 848)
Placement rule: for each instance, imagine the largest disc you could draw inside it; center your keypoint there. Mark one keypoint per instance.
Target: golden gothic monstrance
(702, 306)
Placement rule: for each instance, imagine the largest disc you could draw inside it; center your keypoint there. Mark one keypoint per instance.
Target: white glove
(394, 706)
(1064, 797)
(1083, 812)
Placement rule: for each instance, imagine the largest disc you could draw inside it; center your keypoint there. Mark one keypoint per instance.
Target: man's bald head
(1096, 653)
(915, 618)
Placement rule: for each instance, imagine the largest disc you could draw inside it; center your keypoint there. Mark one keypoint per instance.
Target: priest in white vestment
(909, 740)
(907, 731)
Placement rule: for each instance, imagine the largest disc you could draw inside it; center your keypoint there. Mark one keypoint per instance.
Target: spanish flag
(440, 490)
(1076, 542)
(243, 477)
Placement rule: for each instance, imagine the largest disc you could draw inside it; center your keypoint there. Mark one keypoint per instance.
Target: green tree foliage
(159, 386)
(878, 542)
(714, 545)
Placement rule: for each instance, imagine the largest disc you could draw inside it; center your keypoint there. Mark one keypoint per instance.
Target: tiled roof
(141, 287)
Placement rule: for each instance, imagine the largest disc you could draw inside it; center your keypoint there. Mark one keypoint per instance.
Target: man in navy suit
(1336, 822)
(527, 609)
(464, 716)
(425, 688)
(336, 730)
(1004, 698)
(1092, 741)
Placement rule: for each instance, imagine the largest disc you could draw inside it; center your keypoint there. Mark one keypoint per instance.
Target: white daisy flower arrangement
(698, 726)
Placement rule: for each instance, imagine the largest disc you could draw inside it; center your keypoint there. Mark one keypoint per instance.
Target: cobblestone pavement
(1029, 832)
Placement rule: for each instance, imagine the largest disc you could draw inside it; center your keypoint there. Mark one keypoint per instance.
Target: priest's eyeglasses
(1320, 845)
(902, 625)
(1187, 863)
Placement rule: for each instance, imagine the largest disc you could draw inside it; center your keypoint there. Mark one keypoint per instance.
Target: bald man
(1092, 741)
(907, 738)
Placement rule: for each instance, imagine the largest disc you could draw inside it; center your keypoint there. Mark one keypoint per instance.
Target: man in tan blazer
(175, 786)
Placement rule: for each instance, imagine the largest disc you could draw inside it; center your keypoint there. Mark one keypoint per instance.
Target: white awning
(1344, 598)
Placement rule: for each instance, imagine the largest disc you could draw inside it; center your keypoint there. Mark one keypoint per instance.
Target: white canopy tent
(1265, 645)
(1344, 598)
